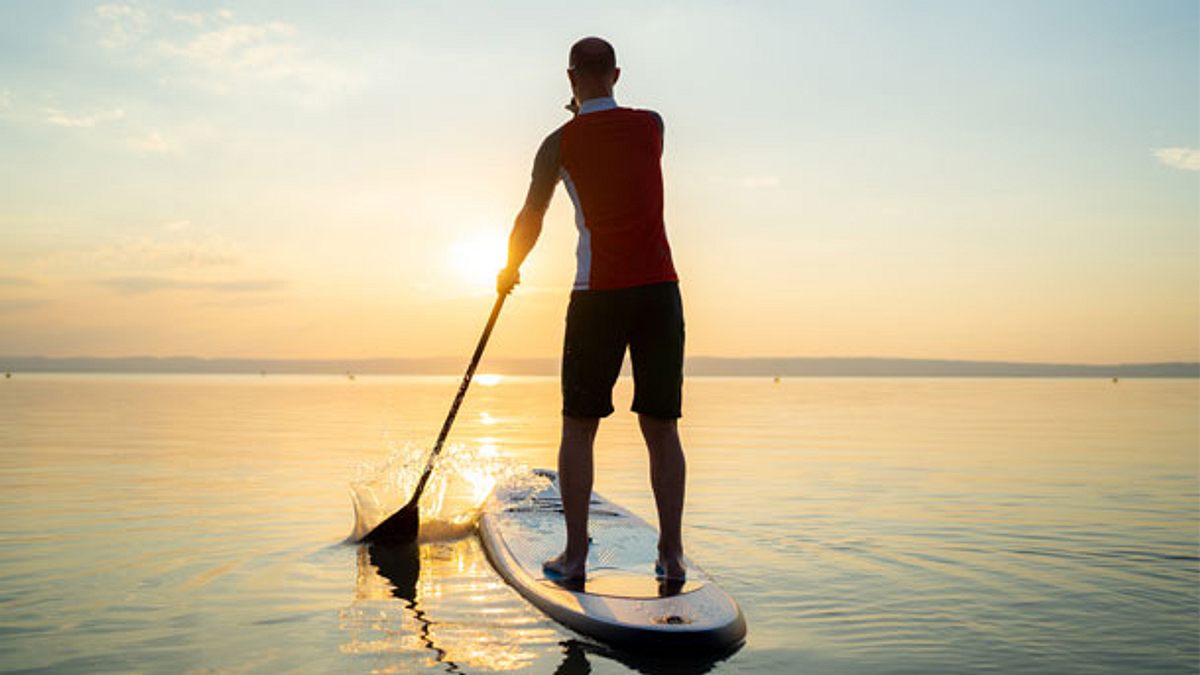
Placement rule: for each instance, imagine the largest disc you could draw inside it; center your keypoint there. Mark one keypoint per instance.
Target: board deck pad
(621, 601)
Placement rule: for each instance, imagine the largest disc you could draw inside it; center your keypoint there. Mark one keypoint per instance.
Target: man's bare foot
(671, 569)
(560, 568)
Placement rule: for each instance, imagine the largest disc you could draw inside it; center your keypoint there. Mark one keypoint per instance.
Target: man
(626, 294)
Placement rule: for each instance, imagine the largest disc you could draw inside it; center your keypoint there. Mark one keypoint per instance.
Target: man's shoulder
(556, 135)
(654, 114)
(551, 143)
(662, 126)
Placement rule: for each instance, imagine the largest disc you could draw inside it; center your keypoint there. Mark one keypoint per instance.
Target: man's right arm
(528, 225)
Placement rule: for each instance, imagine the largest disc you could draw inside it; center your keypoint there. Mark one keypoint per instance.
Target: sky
(978, 180)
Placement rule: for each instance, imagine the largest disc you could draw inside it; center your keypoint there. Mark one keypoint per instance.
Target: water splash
(462, 479)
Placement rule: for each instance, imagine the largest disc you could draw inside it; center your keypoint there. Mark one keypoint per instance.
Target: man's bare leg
(575, 483)
(668, 473)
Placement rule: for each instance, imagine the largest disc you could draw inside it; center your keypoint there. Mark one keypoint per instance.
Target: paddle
(403, 525)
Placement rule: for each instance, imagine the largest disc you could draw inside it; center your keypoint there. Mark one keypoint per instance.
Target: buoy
(7, 375)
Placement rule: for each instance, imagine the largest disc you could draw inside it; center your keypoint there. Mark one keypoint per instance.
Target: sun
(477, 258)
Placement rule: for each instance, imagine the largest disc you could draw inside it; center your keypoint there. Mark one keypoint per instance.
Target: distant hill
(887, 367)
(698, 365)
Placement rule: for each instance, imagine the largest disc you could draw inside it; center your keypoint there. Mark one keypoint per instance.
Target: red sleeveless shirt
(610, 163)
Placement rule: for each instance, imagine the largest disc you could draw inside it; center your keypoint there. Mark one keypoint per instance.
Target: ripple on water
(455, 611)
(168, 524)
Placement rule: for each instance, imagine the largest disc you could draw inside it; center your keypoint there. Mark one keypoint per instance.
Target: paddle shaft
(458, 398)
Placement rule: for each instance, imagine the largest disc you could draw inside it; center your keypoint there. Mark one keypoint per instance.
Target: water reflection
(577, 655)
(400, 565)
(441, 606)
(454, 611)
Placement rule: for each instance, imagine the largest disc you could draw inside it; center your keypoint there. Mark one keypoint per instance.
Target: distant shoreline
(698, 366)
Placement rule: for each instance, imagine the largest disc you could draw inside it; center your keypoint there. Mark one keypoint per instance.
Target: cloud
(188, 253)
(760, 182)
(197, 19)
(135, 285)
(177, 225)
(266, 51)
(150, 254)
(216, 51)
(16, 305)
(19, 285)
(6, 101)
(238, 46)
(1186, 159)
(62, 119)
(200, 19)
(150, 143)
(126, 25)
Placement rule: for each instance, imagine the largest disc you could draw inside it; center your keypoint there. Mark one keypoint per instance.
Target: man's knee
(580, 427)
(653, 422)
(659, 429)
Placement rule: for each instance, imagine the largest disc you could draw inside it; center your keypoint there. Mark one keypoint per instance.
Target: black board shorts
(601, 324)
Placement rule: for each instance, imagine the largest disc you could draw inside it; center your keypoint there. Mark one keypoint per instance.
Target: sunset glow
(977, 181)
(476, 260)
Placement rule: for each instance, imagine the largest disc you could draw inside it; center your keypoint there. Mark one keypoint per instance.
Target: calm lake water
(195, 523)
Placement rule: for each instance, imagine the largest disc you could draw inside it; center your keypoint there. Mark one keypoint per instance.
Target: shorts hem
(587, 414)
(658, 414)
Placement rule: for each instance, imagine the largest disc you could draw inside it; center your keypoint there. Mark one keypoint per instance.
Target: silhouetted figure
(625, 296)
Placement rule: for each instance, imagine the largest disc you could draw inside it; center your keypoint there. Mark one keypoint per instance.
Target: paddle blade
(401, 527)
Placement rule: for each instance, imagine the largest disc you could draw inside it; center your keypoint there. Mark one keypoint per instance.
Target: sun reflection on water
(439, 603)
(438, 600)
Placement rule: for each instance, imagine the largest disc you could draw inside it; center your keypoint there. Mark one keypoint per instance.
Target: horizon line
(557, 357)
(833, 366)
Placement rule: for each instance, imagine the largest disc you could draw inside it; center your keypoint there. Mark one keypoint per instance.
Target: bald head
(593, 70)
(593, 56)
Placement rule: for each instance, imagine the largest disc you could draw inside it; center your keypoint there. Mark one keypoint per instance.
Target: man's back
(610, 166)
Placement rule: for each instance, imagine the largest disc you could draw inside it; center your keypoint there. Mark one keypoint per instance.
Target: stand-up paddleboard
(621, 602)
